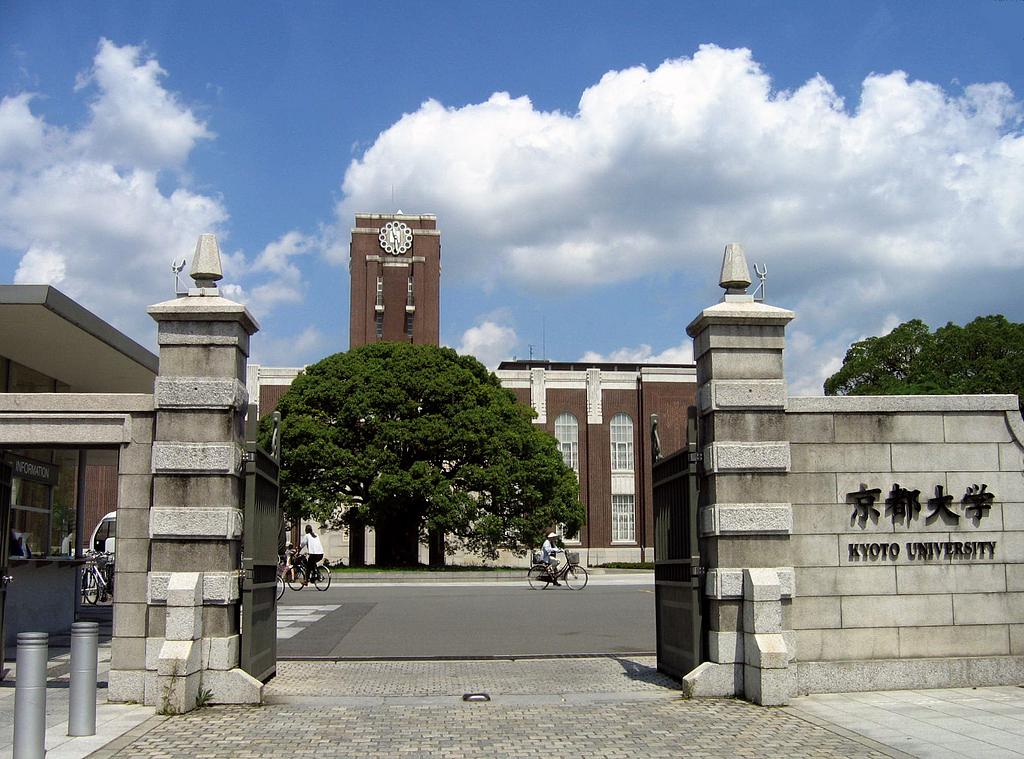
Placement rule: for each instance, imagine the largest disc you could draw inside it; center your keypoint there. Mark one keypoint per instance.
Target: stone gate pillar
(745, 516)
(196, 520)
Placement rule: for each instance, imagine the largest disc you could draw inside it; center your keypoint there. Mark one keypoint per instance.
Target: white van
(103, 537)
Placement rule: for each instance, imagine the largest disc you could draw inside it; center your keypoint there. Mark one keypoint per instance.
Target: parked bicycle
(97, 577)
(571, 573)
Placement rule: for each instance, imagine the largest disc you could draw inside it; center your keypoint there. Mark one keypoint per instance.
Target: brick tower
(395, 265)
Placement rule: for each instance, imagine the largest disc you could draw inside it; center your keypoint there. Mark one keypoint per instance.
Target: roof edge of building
(52, 299)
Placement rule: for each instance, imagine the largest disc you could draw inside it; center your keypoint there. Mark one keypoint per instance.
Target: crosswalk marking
(291, 620)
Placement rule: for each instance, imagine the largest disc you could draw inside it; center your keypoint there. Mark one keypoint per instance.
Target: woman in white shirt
(314, 550)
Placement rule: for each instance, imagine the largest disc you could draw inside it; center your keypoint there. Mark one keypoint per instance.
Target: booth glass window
(65, 504)
(30, 518)
(53, 494)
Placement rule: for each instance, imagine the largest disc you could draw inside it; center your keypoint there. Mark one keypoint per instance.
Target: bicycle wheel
(280, 587)
(297, 578)
(538, 576)
(90, 588)
(576, 577)
(322, 578)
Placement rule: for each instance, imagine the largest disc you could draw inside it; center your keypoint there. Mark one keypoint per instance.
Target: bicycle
(320, 576)
(97, 577)
(571, 573)
(288, 569)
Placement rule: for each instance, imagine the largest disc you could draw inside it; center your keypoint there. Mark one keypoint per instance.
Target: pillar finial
(735, 277)
(206, 268)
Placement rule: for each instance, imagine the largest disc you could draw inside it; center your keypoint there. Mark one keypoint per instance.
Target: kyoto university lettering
(903, 506)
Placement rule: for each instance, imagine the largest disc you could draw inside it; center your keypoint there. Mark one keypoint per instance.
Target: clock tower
(395, 269)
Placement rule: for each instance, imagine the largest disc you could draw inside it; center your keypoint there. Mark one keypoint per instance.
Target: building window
(567, 433)
(380, 324)
(622, 443)
(409, 299)
(380, 292)
(408, 324)
(623, 519)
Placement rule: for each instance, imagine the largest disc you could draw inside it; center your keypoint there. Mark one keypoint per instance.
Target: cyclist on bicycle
(549, 556)
(314, 551)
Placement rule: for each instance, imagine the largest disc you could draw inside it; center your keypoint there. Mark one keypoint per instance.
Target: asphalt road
(467, 621)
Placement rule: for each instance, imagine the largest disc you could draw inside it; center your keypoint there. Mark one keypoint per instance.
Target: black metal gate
(259, 552)
(678, 573)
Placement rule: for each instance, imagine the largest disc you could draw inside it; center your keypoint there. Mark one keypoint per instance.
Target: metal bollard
(30, 696)
(82, 709)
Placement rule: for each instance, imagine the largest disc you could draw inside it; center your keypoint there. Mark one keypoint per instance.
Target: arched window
(622, 443)
(567, 433)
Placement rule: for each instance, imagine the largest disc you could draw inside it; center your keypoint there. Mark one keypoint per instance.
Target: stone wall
(854, 543)
(927, 589)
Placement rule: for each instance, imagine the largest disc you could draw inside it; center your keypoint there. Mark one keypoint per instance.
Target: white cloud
(41, 266)
(290, 350)
(83, 209)
(135, 121)
(285, 283)
(490, 342)
(644, 354)
(857, 207)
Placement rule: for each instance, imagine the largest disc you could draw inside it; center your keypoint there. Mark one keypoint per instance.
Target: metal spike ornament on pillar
(206, 269)
(735, 277)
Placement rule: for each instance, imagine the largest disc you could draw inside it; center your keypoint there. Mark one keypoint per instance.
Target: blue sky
(587, 162)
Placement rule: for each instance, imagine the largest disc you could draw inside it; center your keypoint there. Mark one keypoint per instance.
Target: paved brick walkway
(601, 708)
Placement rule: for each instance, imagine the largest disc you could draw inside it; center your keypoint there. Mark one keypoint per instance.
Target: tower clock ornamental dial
(395, 237)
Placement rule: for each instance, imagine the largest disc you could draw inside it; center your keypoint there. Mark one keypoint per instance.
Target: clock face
(395, 237)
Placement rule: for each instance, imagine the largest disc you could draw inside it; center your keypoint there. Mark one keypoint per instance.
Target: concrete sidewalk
(596, 707)
(975, 722)
(611, 706)
(112, 720)
(605, 708)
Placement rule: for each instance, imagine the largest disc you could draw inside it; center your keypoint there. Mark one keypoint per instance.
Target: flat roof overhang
(45, 330)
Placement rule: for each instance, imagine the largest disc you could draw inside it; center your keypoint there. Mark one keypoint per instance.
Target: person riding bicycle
(549, 556)
(314, 551)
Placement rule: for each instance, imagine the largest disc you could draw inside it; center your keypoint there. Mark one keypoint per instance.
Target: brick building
(601, 416)
(600, 413)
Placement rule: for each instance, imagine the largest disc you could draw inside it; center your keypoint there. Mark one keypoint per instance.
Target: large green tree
(984, 356)
(416, 440)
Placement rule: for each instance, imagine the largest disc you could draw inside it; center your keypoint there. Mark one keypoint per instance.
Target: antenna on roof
(177, 267)
(762, 275)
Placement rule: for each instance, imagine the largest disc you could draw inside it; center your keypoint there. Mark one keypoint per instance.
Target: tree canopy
(414, 439)
(985, 356)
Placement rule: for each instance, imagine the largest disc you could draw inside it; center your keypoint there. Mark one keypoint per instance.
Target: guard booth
(678, 573)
